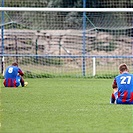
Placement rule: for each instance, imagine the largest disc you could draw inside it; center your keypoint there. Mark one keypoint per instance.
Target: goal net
(77, 42)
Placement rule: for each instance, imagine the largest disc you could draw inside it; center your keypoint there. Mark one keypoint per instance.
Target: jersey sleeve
(114, 85)
(20, 72)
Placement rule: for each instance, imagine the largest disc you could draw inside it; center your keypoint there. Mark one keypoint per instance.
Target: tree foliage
(63, 19)
(69, 3)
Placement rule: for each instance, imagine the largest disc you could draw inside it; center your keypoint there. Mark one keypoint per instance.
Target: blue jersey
(12, 77)
(124, 84)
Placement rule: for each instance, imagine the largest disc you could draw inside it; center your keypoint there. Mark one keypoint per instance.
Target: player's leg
(17, 81)
(22, 81)
(114, 96)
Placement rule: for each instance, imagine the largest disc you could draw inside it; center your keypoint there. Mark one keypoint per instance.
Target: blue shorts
(18, 80)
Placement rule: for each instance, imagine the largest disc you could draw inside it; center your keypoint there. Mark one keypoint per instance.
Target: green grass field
(66, 105)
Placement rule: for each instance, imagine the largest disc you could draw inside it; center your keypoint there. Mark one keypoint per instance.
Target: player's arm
(20, 72)
(114, 93)
(114, 86)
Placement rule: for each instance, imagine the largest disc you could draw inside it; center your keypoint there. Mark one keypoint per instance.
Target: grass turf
(67, 105)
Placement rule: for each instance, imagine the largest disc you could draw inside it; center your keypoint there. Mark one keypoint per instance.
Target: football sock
(112, 100)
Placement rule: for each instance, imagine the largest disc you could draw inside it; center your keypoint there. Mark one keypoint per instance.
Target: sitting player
(123, 87)
(13, 76)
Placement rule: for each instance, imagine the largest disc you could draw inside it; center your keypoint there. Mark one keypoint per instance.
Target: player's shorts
(12, 82)
(119, 100)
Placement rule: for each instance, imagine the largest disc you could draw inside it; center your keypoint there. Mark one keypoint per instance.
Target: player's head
(15, 64)
(123, 67)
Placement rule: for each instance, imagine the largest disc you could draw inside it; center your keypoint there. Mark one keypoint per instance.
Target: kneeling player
(13, 76)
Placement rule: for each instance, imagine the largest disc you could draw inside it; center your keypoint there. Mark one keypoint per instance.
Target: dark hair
(15, 64)
(123, 67)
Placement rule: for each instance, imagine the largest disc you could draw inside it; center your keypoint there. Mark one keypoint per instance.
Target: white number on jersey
(125, 79)
(10, 70)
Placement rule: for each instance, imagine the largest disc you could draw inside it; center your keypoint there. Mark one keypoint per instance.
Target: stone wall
(69, 42)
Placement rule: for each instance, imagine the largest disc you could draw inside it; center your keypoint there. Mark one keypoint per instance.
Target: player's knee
(17, 84)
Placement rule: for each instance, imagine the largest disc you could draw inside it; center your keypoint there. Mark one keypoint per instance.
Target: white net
(59, 43)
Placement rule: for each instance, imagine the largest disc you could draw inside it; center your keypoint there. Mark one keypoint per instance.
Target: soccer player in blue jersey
(123, 87)
(13, 76)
